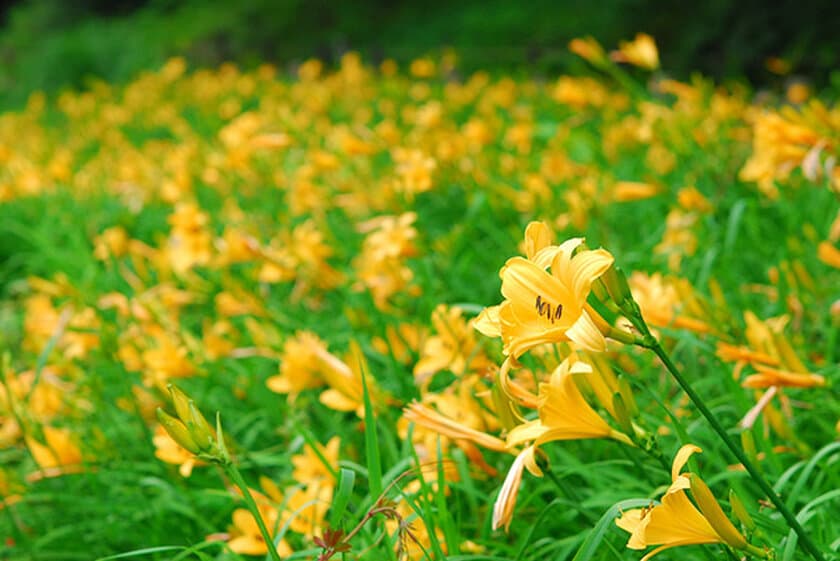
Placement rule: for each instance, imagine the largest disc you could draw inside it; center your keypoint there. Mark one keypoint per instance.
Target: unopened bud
(739, 511)
(181, 402)
(199, 429)
(622, 414)
(627, 396)
(177, 431)
(714, 514)
(748, 444)
(617, 286)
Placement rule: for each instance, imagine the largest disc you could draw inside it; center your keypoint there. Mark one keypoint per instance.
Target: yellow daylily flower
(545, 296)
(57, 455)
(641, 52)
(589, 49)
(676, 521)
(564, 414)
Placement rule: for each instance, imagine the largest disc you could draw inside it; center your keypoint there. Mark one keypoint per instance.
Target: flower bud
(714, 514)
(622, 414)
(617, 286)
(740, 512)
(177, 431)
(199, 429)
(181, 402)
(627, 396)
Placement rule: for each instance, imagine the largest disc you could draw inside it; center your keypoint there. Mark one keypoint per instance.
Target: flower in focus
(564, 413)
(548, 306)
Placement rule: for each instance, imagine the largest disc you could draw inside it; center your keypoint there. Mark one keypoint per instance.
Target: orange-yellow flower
(549, 306)
(564, 414)
(829, 254)
(58, 455)
(641, 52)
(767, 377)
(676, 521)
(589, 49)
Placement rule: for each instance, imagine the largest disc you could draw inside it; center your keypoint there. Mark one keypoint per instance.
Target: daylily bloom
(453, 347)
(544, 306)
(768, 377)
(676, 521)
(641, 52)
(58, 455)
(564, 414)
(300, 366)
(589, 49)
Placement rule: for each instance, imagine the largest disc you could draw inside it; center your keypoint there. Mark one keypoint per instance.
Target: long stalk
(234, 474)
(804, 539)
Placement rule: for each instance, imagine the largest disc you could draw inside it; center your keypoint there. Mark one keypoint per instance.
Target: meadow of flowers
(402, 313)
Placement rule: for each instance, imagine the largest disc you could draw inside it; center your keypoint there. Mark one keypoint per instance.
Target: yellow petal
(585, 333)
(587, 266)
(336, 400)
(681, 458)
(537, 236)
(487, 322)
(634, 521)
(677, 520)
(248, 545)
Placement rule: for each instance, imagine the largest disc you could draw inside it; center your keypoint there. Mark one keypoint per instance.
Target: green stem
(234, 474)
(804, 539)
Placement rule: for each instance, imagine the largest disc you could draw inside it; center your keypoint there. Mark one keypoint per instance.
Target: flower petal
(585, 333)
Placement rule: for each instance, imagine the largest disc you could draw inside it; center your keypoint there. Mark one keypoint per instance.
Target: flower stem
(804, 539)
(234, 474)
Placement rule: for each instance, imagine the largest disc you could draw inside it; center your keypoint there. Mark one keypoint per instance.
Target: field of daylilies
(382, 312)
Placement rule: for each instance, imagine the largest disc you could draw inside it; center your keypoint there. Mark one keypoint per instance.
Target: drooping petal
(506, 500)
(681, 458)
(526, 432)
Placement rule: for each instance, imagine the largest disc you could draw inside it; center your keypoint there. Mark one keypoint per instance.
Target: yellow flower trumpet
(546, 296)
(676, 521)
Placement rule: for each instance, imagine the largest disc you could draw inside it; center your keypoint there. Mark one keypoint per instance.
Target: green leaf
(346, 481)
(593, 541)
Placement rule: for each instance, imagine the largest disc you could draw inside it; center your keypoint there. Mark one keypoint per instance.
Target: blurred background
(51, 44)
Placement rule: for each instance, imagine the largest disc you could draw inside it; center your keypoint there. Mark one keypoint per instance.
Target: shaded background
(50, 44)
